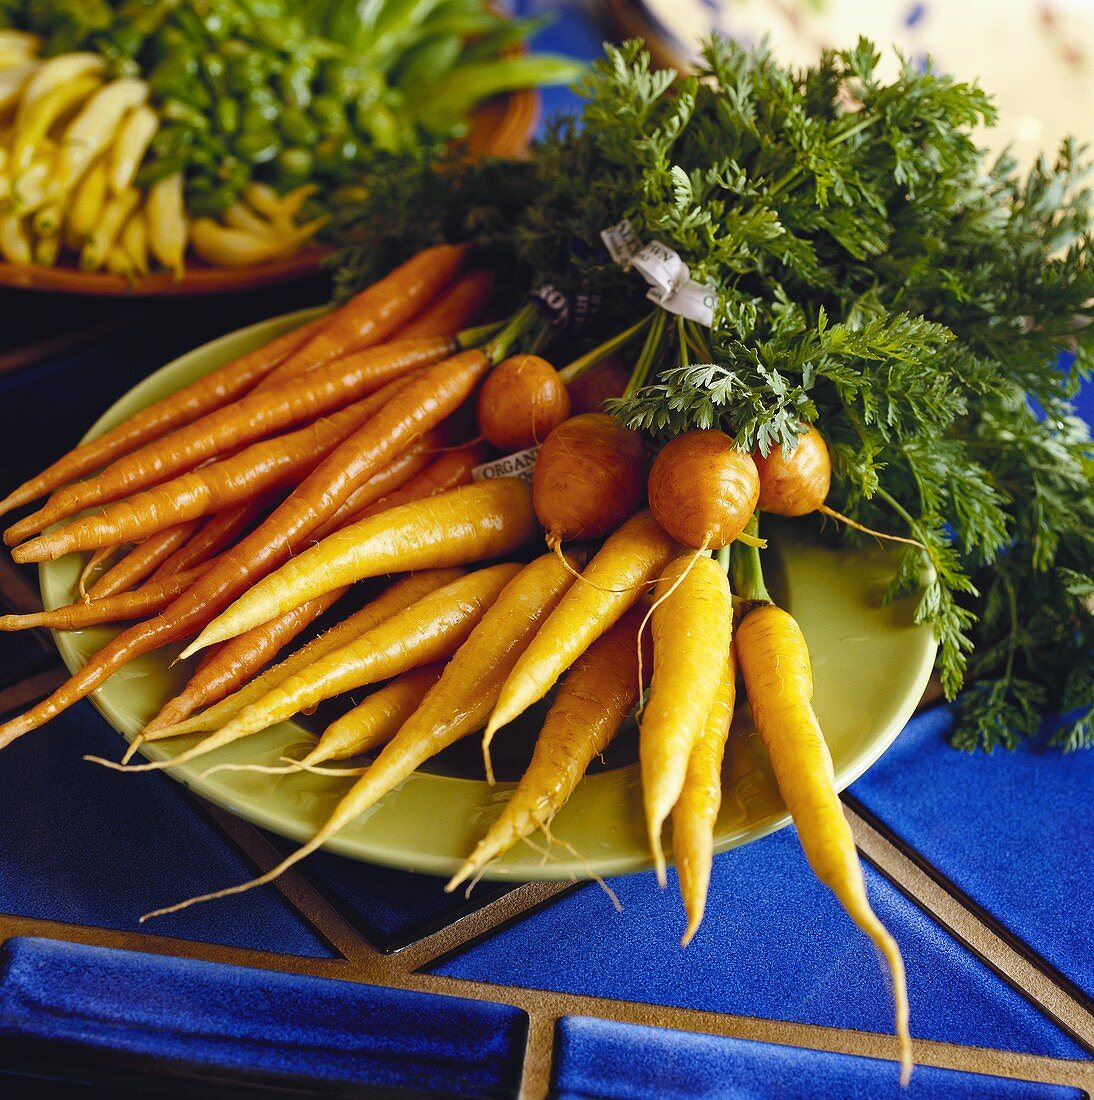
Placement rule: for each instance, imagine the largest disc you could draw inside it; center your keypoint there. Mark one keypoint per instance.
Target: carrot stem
(601, 352)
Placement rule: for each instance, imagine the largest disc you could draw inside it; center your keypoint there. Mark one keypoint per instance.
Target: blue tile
(774, 944)
(391, 908)
(1021, 848)
(85, 845)
(612, 1061)
(215, 1017)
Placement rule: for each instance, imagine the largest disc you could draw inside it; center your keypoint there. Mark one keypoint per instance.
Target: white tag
(671, 284)
(662, 267)
(514, 465)
(693, 300)
(622, 242)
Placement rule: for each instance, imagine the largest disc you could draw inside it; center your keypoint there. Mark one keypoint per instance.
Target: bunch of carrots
(235, 512)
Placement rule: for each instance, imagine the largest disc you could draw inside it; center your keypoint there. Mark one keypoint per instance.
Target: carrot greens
(871, 274)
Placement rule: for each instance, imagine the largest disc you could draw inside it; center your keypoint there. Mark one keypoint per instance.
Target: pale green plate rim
(871, 666)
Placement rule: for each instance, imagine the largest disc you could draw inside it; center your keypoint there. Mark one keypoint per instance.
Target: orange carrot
(211, 537)
(450, 471)
(208, 392)
(419, 406)
(97, 563)
(522, 400)
(213, 488)
(142, 561)
(454, 310)
(136, 604)
(376, 313)
(293, 402)
(235, 662)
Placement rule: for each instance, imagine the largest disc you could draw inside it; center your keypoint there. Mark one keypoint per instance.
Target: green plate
(870, 664)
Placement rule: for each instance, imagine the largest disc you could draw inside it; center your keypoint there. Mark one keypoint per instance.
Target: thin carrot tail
(868, 921)
(342, 816)
(262, 880)
(840, 517)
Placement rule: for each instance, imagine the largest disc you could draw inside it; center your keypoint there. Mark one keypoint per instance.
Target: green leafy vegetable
(876, 277)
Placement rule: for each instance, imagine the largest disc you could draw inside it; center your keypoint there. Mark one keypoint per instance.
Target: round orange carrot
(692, 628)
(696, 811)
(593, 700)
(208, 392)
(295, 401)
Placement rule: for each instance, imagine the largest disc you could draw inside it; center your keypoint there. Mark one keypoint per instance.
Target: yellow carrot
(455, 705)
(696, 811)
(435, 627)
(472, 523)
(375, 721)
(628, 561)
(594, 699)
(692, 627)
(774, 661)
(390, 602)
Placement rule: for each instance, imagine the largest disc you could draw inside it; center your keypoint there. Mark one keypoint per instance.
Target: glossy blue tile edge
(207, 1016)
(775, 944)
(611, 1061)
(1019, 850)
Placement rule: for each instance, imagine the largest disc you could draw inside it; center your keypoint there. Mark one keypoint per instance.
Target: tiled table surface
(348, 979)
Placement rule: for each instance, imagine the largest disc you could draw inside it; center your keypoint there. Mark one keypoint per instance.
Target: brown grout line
(518, 902)
(149, 943)
(539, 1049)
(33, 689)
(299, 893)
(991, 922)
(552, 1005)
(967, 927)
(545, 1007)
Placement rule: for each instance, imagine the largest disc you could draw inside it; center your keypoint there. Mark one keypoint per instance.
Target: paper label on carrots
(560, 308)
(515, 465)
(671, 284)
